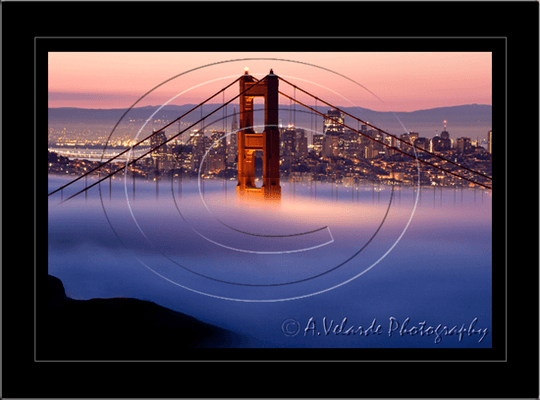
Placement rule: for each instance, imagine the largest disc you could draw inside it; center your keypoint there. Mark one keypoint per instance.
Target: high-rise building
(375, 148)
(232, 140)
(413, 136)
(463, 145)
(330, 146)
(317, 143)
(366, 145)
(232, 148)
(363, 142)
(234, 126)
(333, 128)
(349, 145)
(160, 154)
(436, 144)
(422, 143)
(444, 133)
(198, 148)
(301, 145)
(489, 142)
(217, 155)
(405, 137)
(391, 141)
(288, 141)
(157, 140)
(408, 138)
(445, 143)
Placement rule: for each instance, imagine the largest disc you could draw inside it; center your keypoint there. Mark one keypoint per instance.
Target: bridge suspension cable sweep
(143, 140)
(155, 148)
(388, 134)
(295, 101)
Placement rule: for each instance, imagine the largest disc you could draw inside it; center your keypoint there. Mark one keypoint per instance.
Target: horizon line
(282, 105)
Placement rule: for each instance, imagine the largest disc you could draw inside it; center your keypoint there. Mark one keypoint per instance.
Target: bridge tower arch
(249, 141)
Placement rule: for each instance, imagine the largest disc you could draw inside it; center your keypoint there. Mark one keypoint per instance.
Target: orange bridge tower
(249, 141)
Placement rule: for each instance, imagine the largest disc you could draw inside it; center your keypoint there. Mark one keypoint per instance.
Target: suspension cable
(380, 130)
(387, 145)
(165, 142)
(386, 133)
(143, 140)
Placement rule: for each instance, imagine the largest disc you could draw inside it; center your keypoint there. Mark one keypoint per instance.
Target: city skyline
(394, 81)
(337, 153)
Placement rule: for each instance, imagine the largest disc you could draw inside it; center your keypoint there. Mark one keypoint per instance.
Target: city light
(340, 154)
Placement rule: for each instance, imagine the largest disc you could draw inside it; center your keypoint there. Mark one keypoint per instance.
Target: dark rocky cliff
(120, 329)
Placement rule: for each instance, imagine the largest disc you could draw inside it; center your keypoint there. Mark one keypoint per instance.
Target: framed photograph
(277, 197)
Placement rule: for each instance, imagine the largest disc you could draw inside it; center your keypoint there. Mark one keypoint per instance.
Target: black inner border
(495, 45)
(509, 29)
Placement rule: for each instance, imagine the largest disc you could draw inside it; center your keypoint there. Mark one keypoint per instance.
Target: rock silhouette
(120, 329)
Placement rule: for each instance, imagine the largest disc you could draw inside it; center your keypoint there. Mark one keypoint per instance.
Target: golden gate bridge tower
(268, 141)
(249, 141)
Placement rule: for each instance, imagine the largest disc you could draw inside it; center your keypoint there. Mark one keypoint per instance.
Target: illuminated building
(301, 146)
(372, 148)
(408, 138)
(288, 141)
(440, 143)
(349, 145)
(330, 146)
(198, 148)
(422, 143)
(317, 143)
(390, 141)
(232, 147)
(332, 128)
(445, 143)
(160, 156)
(489, 142)
(436, 144)
(463, 145)
(444, 133)
(218, 153)
(234, 126)
(413, 136)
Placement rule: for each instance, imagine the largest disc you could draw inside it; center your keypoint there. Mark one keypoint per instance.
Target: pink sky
(403, 81)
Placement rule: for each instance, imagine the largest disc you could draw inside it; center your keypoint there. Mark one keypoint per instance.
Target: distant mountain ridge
(474, 110)
(479, 115)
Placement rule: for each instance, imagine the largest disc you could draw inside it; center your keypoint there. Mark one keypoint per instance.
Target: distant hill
(455, 115)
(474, 115)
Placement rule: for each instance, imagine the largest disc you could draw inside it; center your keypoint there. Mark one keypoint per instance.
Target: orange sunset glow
(404, 81)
